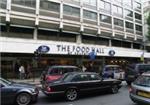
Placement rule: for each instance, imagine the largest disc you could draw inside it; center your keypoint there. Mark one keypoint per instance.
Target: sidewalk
(33, 81)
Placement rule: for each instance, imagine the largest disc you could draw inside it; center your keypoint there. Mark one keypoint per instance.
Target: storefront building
(71, 29)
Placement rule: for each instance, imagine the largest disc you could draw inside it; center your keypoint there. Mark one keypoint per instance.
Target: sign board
(43, 49)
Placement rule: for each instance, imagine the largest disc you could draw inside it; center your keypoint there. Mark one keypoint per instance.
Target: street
(121, 98)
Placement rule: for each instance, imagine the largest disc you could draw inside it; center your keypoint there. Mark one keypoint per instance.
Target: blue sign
(111, 52)
(92, 55)
(43, 49)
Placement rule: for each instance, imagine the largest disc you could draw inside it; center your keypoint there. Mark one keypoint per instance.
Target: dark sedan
(74, 83)
(15, 93)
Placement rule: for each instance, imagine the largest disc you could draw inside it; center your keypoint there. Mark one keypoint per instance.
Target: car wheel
(114, 89)
(71, 94)
(23, 99)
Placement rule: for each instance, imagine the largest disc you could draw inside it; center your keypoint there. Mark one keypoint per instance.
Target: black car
(15, 93)
(74, 83)
(55, 72)
(134, 70)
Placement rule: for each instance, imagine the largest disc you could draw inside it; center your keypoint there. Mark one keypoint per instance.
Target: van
(113, 71)
(134, 70)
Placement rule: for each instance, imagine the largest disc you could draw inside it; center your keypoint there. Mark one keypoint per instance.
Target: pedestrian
(28, 71)
(16, 70)
(22, 72)
(83, 68)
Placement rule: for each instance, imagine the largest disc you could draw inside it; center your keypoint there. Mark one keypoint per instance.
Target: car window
(56, 71)
(143, 81)
(81, 77)
(94, 77)
(144, 68)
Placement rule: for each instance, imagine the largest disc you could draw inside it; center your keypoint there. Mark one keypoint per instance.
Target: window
(93, 77)
(68, 10)
(118, 22)
(117, 10)
(137, 5)
(82, 77)
(89, 15)
(105, 5)
(138, 16)
(128, 13)
(50, 6)
(138, 28)
(128, 2)
(129, 25)
(30, 3)
(105, 18)
(90, 2)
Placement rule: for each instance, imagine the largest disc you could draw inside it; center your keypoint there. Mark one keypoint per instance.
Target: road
(121, 98)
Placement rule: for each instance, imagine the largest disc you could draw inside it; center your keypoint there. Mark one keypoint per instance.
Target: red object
(51, 78)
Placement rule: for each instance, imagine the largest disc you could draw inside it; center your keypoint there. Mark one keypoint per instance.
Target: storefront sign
(111, 52)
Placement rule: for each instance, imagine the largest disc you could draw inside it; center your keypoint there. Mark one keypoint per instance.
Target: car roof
(63, 66)
(112, 66)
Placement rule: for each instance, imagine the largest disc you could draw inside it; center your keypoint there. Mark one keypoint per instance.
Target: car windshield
(6, 82)
(143, 81)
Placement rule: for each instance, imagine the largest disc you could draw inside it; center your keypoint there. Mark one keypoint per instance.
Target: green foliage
(148, 22)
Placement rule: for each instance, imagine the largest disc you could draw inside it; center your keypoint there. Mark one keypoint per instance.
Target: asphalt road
(121, 98)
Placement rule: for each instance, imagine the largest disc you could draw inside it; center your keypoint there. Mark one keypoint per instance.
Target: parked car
(15, 93)
(113, 71)
(134, 70)
(72, 84)
(140, 90)
(55, 72)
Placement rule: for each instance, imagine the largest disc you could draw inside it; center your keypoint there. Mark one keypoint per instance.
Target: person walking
(22, 72)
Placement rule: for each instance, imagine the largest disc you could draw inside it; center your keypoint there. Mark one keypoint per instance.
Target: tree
(148, 23)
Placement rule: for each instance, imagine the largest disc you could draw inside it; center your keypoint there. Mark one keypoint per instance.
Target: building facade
(71, 29)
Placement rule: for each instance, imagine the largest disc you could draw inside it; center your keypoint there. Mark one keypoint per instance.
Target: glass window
(117, 10)
(50, 6)
(89, 15)
(138, 16)
(82, 77)
(104, 5)
(143, 81)
(94, 77)
(138, 28)
(105, 18)
(30, 3)
(129, 25)
(118, 22)
(137, 5)
(128, 13)
(68, 10)
(90, 2)
(128, 2)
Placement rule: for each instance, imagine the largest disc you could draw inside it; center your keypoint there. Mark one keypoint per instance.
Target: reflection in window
(137, 5)
(128, 2)
(30, 3)
(68, 10)
(138, 28)
(49, 6)
(105, 18)
(89, 15)
(129, 25)
(104, 5)
(90, 2)
(118, 22)
(138, 16)
(117, 10)
(128, 13)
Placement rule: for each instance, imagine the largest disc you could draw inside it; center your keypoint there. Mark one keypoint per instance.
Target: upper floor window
(138, 27)
(105, 18)
(30, 3)
(138, 16)
(128, 13)
(68, 10)
(49, 6)
(129, 25)
(104, 5)
(118, 22)
(90, 2)
(137, 5)
(89, 15)
(117, 10)
(128, 2)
